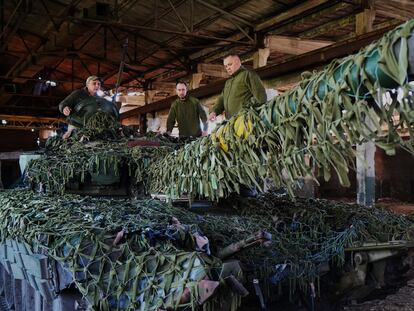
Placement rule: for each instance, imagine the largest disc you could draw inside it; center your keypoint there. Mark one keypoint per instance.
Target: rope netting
(135, 255)
(123, 255)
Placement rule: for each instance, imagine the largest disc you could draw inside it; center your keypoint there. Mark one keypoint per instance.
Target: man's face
(93, 86)
(181, 90)
(232, 64)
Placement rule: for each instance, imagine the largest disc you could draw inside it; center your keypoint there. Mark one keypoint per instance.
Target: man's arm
(171, 119)
(256, 88)
(203, 116)
(218, 107)
(69, 101)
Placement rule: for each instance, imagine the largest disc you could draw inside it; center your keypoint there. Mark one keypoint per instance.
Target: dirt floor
(396, 206)
(402, 300)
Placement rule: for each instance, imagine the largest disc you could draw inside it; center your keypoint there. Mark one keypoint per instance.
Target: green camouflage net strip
(315, 124)
(151, 267)
(101, 147)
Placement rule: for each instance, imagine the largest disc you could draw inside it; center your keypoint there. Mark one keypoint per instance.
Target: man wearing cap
(93, 85)
(187, 111)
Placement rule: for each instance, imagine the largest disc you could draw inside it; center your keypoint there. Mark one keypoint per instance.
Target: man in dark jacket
(93, 85)
(242, 89)
(67, 106)
(81, 104)
(187, 111)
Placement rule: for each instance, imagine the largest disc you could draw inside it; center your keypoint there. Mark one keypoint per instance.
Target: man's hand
(67, 134)
(212, 116)
(204, 133)
(67, 111)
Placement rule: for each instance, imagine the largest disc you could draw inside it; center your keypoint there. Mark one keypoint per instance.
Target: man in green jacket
(187, 111)
(242, 89)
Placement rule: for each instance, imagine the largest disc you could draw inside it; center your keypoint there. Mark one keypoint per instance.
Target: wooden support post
(364, 21)
(366, 174)
(260, 57)
(195, 80)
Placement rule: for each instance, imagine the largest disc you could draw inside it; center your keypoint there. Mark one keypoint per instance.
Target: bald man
(242, 89)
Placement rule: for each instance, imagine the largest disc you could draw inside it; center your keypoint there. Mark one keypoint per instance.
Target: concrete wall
(394, 178)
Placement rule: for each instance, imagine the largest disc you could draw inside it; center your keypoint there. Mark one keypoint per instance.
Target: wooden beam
(401, 10)
(135, 27)
(320, 15)
(207, 51)
(29, 122)
(284, 16)
(326, 27)
(212, 70)
(160, 86)
(178, 16)
(293, 45)
(390, 24)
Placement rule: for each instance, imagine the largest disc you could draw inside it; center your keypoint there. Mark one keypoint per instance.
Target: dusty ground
(396, 206)
(402, 300)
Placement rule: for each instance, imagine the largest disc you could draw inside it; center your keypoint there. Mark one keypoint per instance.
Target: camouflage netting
(101, 147)
(306, 234)
(153, 266)
(316, 124)
(154, 261)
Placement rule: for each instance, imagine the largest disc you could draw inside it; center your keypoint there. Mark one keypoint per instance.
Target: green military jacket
(84, 105)
(74, 98)
(187, 113)
(242, 89)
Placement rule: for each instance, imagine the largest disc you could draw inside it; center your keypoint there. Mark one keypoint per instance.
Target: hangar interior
(253, 216)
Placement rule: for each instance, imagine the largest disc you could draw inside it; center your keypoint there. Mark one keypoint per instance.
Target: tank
(87, 233)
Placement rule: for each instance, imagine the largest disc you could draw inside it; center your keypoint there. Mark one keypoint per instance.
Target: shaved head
(232, 63)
